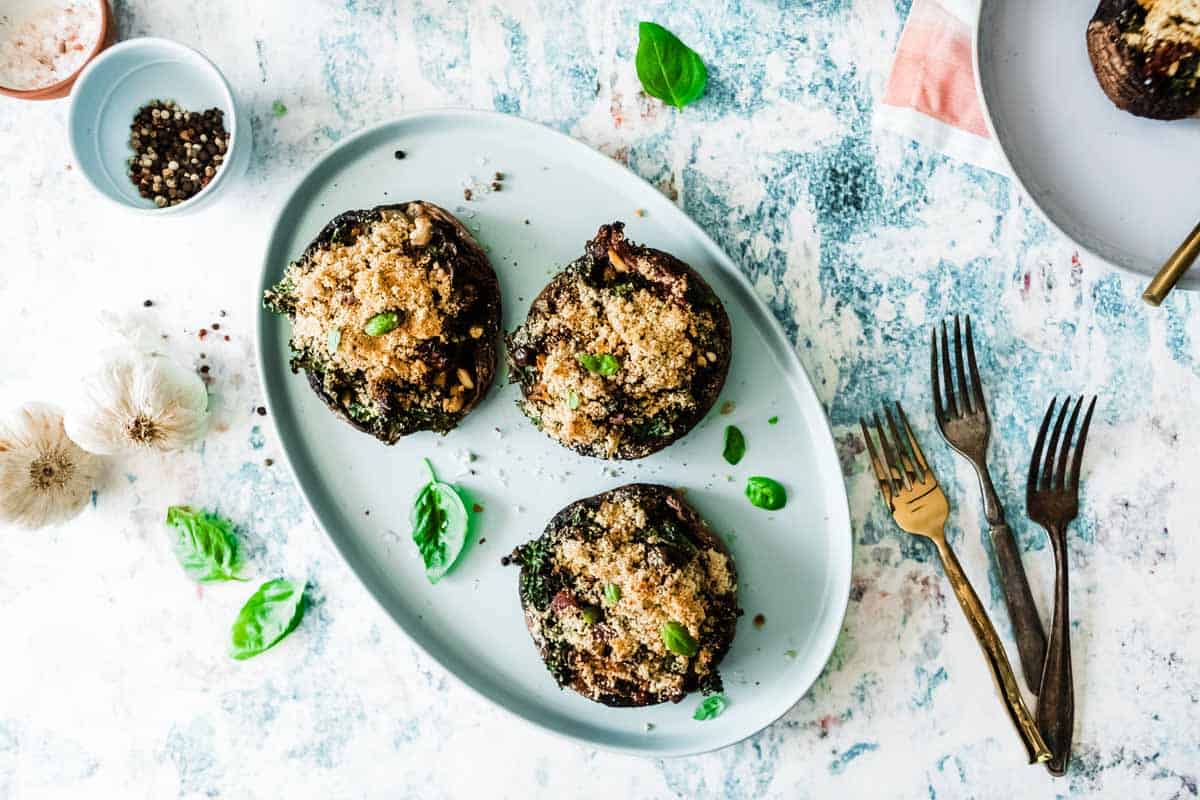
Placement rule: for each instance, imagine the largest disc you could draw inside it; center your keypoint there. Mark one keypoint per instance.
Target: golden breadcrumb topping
(654, 341)
(385, 269)
(652, 593)
(1175, 21)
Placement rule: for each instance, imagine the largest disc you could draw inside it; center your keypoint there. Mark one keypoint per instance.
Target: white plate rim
(839, 522)
(1189, 282)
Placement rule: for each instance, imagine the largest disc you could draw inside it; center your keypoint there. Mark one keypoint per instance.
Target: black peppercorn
(167, 141)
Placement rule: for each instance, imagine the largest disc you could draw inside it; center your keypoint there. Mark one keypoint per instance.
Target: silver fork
(962, 417)
(1052, 501)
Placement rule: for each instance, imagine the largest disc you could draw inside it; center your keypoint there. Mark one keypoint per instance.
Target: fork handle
(993, 650)
(1022, 613)
(1056, 704)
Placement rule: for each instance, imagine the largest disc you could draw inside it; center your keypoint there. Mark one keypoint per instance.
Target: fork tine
(1048, 468)
(897, 474)
(1032, 484)
(901, 445)
(964, 390)
(922, 464)
(881, 474)
(1083, 432)
(976, 383)
(951, 406)
(938, 411)
(1061, 473)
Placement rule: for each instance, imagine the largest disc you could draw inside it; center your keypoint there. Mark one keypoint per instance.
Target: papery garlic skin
(139, 401)
(45, 478)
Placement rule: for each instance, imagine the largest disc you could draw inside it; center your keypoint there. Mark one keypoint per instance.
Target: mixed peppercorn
(176, 152)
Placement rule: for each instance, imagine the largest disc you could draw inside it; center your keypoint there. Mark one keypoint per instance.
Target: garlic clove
(139, 401)
(98, 419)
(45, 478)
(177, 400)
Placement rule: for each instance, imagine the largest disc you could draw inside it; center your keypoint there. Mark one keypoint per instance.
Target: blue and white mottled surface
(114, 681)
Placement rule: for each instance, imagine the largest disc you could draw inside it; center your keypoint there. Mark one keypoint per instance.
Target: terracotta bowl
(63, 87)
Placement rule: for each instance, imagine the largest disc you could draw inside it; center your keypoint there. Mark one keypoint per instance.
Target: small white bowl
(124, 78)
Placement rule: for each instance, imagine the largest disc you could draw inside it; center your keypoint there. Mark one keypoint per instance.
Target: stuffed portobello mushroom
(623, 352)
(629, 597)
(395, 315)
(1146, 55)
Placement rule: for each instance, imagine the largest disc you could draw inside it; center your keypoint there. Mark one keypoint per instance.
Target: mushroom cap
(1157, 80)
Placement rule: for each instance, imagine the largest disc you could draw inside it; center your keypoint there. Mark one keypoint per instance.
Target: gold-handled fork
(919, 506)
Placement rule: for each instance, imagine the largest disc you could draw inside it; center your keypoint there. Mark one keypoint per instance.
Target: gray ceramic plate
(1123, 188)
(794, 564)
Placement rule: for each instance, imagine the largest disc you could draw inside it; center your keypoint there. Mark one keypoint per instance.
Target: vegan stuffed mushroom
(629, 597)
(623, 352)
(1146, 55)
(395, 314)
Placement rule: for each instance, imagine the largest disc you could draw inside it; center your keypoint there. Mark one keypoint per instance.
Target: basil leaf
(599, 364)
(766, 493)
(591, 614)
(668, 68)
(612, 594)
(773, 421)
(678, 640)
(710, 708)
(383, 323)
(735, 444)
(204, 544)
(270, 614)
(672, 537)
(439, 526)
(335, 339)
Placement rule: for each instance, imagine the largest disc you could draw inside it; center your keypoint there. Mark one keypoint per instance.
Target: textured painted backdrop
(114, 682)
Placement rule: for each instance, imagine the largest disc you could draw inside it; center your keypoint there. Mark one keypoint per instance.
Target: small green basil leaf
(599, 363)
(439, 526)
(710, 708)
(572, 400)
(612, 593)
(270, 614)
(766, 493)
(677, 639)
(735, 444)
(278, 109)
(204, 544)
(668, 68)
(773, 421)
(383, 323)
(591, 614)
(335, 339)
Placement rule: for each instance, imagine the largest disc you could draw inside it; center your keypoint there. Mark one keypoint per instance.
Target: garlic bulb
(139, 401)
(44, 476)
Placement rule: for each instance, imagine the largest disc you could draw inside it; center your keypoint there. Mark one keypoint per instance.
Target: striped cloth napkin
(931, 94)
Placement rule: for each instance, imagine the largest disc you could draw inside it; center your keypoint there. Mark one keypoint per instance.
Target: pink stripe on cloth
(933, 73)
